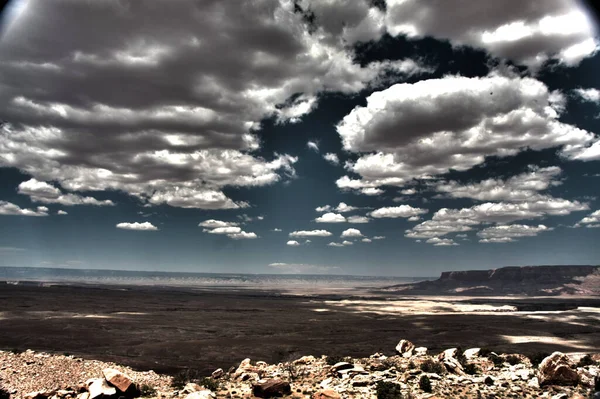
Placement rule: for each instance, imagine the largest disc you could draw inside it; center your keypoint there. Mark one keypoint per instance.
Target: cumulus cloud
(325, 208)
(379, 237)
(145, 226)
(529, 34)
(345, 243)
(351, 233)
(61, 212)
(299, 268)
(522, 187)
(331, 217)
(39, 191)
(8, 208)
(293, 243)
(591, 95)
(332, 158)
(401, 211)
(242, 235)
(507, 233)
(366, 240)
(358, 219)
(423, 129)
(177, 141)
(343, 207)
(213, 224)
(313, 145)
(310, 233)
(590, 221)
(277, 230)
(224, 230)
(441, 242)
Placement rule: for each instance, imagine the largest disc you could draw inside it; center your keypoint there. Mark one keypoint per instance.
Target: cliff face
(513, 280)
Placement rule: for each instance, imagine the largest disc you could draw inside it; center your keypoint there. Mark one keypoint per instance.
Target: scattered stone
(326, 394)
(561, 396)
(405, 348)
(271, 388)
(191, 387)
(556, 369)
(472, 353)
(421, 351)
(218, 373)
(117, 379)
(488, 380)
(204, 394)
(341, 366)
(99, 387)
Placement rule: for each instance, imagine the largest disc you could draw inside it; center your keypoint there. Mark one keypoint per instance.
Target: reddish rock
(271, 388)
(117, 379)
(556, 369)
(326, 394)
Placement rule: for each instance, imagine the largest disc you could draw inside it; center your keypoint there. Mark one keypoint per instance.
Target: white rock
(472, 353)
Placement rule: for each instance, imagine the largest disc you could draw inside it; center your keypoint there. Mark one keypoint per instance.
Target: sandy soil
(170, 329)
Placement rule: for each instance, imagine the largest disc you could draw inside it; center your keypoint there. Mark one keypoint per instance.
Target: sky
(371, 137)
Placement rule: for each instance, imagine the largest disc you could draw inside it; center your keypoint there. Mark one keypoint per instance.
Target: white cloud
(379, 238)
(40, 191)
(454, 123)
(242, 235)
(401, 211)
(224, 230)
(371, 191)
(591, 95)
(414, 218)
(61, 212)
(299, 268)
(332, 158)
(145, 226)
(351, 233)
(346, 243)
(592, 220)
(11, 249)
(313, 145)
(325, 208)
(408, 191)
(277, 230)
(441, 242)
(522, 187)
(343, 207)
(213, 224)
(335, 244)
(358, 219)
(331, 217)
(310, 233)
(366, 240)
(549, 29)
(293, 243)
(507, 233)
(8, 208)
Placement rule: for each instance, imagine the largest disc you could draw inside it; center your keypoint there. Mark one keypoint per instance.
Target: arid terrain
(172, 329)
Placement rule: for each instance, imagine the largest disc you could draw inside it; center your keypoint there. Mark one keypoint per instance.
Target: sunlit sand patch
(320, 310)
(543, 339)
(96, 316)
(416, 307)
(132, 313)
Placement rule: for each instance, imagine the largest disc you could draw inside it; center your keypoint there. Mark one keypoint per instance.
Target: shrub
(537, 358)
(471, 369)
(513, 359)
(185, 376)
(431, 366)
(147, 391)
(585, 361)
(497, 360)
(411, 365)
(208, 383)
(388, 390)
(485, 352)
(425, 384)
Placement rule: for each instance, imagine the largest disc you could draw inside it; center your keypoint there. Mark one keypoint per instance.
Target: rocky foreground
(412, 373)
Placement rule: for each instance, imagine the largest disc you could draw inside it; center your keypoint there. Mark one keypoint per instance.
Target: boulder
(117, 379)
(191, 387)
(99, 387)
(448, 354)
(204, 394)
(405, 348)
(472, 353)
(341, 366)
(326, 394)
(218, 373)
(271, 388)
(556, 369)
(421, 351)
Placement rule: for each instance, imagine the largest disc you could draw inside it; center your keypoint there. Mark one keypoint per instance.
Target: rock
(596, 395)
(561, 396)
(218, 373)
(534, 383)
(35, 395)
(306, 360)
(191, 387)
(577, 396)
(84, 395)
(99, 387)
(341, 366)
(405, 348)
(556, 369)
(117, 379)
(472, 353)
(271, 388)
(204, 394)
(361, 380)
(421, 351)
(326, 394)
(488, 381)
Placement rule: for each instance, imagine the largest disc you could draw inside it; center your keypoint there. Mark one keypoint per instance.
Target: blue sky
(401, 138)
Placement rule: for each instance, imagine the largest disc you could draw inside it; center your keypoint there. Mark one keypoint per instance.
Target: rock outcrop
(511, 280)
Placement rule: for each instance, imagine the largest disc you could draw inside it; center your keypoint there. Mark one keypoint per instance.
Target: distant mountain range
(510, 280)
